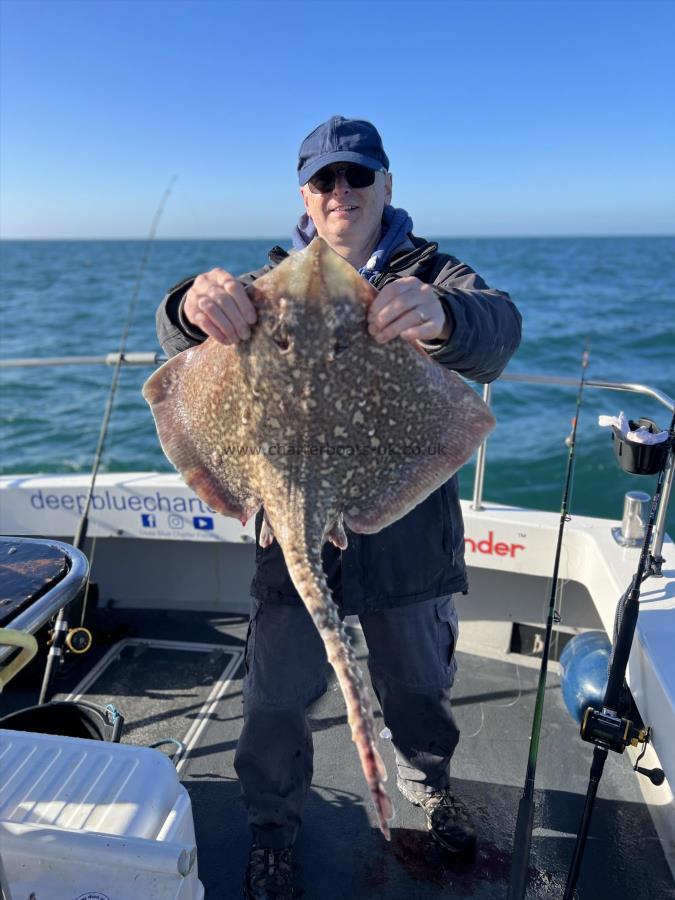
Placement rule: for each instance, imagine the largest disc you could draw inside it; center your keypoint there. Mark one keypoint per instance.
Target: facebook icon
(148, 521)
(203, 523)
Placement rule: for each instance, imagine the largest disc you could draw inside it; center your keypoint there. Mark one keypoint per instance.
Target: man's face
(348, 215)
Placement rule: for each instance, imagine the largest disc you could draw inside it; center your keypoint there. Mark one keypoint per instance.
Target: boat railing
(31, 618)
(593, 384)
(154, 359)
(142, 358)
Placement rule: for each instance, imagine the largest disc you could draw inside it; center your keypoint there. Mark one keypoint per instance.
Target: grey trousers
(412, 668)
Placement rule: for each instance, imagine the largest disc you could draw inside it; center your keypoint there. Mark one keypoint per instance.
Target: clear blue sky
(499, 117)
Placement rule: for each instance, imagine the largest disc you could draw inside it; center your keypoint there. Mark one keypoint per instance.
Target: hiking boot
(448, 819)
(269, 874)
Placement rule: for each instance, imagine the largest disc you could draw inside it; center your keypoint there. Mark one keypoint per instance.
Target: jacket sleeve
(486, 325)
(175, 333)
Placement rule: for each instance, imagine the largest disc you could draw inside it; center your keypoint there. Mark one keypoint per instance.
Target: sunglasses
(356, 177)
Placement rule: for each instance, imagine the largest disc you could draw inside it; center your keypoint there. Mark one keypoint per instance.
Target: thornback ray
(324, 428)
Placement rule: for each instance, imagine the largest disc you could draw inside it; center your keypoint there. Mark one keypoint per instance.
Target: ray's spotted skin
(323, 427)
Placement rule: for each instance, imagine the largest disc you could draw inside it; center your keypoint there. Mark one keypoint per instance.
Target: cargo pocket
(411, 648)
(448, 631)
(285, 658)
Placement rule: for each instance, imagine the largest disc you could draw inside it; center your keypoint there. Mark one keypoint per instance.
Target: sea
(616, 294)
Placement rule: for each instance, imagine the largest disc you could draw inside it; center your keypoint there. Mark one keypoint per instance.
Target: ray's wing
(426, 425)
(197, 401)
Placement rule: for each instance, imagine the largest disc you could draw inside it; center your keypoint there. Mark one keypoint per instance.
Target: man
(400, 582)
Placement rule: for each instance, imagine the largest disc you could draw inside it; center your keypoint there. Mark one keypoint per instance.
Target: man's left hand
(410, 308)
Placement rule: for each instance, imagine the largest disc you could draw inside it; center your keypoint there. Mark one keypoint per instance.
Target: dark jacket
(420, 556)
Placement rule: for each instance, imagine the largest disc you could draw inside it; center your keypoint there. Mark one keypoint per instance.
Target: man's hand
(218, 304)
(409, 308)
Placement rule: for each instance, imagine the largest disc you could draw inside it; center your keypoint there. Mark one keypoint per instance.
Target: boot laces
(269, 867)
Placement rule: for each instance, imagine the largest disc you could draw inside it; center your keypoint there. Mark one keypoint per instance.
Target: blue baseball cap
(341, 140)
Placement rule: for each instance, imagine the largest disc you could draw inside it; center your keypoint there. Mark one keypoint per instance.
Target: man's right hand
(218, 304)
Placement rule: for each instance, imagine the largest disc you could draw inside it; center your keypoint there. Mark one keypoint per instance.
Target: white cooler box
(91, 819)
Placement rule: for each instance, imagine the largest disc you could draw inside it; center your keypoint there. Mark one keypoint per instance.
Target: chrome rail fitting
(481, 459)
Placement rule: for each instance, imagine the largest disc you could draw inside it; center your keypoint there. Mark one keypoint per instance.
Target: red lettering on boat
(488, 546)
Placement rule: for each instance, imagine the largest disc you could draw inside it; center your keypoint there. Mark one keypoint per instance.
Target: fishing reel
(79, 640)
(612, 732)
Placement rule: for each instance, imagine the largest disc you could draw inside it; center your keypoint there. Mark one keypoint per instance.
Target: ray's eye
(341, 344)
(281, 333)
(282, 341)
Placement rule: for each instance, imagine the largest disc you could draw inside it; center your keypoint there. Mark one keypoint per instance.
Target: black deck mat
(161, 690)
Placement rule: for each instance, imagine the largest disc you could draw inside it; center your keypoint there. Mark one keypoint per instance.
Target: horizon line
(277, 239)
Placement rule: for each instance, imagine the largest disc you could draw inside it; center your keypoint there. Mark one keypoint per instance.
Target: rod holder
(634, 519)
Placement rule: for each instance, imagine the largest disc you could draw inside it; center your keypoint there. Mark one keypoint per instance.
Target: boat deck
(168, 688)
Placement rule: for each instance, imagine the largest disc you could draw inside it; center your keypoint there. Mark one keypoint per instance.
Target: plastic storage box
(91, 819)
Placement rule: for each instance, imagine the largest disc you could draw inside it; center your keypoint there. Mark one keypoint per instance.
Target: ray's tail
(308, 577)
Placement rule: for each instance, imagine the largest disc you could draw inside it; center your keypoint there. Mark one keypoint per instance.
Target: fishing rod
(524, 822)
(608, 729)
(79, 639)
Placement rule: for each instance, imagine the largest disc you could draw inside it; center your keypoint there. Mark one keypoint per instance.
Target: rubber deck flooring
(340, 852)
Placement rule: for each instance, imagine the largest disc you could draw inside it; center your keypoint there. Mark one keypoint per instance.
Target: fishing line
(61, 625)
(85, 602)
(524, 821)
(563, 582)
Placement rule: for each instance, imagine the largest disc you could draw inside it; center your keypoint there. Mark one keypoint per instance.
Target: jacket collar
(422, 251)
